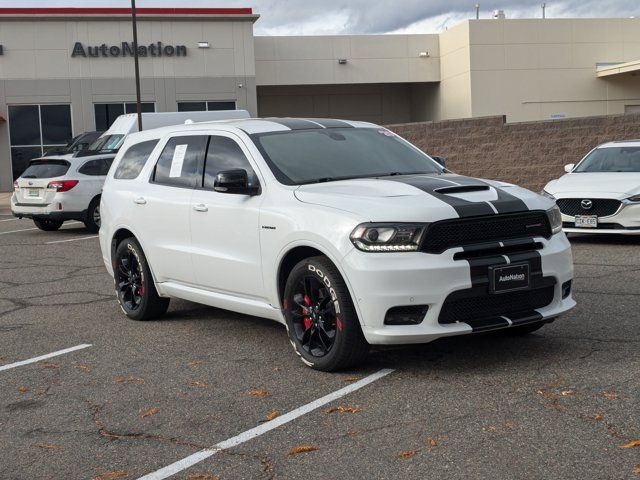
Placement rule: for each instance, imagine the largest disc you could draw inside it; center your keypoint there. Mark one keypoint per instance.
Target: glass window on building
(106, 113)
(34, 129)
(206, 106)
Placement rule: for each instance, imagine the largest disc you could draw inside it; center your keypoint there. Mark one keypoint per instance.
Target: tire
(321, 320)
(48, 225)
(92, 220)
(523, 329)
(136, 292)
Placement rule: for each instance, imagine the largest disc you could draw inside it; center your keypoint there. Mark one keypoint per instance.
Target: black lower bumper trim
(55, 216)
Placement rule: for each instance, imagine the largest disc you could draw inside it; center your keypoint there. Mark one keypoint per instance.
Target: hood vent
(462, 189)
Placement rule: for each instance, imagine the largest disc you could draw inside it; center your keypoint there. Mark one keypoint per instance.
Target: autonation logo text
(157, 49)
(513, 277)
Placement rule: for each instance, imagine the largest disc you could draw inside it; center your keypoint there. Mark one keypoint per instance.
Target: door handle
(140, 201)
(201, 207)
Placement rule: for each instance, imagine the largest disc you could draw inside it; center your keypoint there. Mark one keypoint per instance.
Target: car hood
(589, 183)
(421, 198)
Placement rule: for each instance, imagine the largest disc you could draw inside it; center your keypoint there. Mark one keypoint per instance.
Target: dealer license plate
(510, 278)
(586, 221)
(33, 192)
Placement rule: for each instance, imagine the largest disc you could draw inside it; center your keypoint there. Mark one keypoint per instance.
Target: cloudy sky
(307, 17)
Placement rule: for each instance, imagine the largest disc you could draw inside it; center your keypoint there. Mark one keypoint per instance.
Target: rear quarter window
(46, 169)
(133, 160)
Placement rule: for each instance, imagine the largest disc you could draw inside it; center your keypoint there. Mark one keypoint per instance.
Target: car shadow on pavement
(586, 239)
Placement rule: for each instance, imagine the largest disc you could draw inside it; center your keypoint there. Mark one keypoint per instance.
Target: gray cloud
(371, 16)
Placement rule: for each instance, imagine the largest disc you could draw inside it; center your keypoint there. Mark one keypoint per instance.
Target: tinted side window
(93, 168)
(133, 160)
(180, 163)
(225, 154)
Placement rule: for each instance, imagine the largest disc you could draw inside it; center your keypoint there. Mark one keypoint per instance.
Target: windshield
(46, 169)
(108, 142)
(322, 155)
(611, 159)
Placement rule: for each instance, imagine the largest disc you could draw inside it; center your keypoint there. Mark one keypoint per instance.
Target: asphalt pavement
(134, 398)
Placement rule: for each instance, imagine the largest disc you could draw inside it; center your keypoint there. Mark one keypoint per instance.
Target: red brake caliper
(306, 320)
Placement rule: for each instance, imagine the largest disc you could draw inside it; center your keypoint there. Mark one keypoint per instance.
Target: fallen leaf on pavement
(86, 368)
(22, 390)
(343, 409)
(302, 449)
(611, 394)
(198, 383)
(489, 428)
(432, 442)
(257, 393)
(636, 472)
(407, 453)
(567, 393)
(634, 443)
(118, 474)
(49, 447)
(50, 365)
(597, 418)
(351, 379)
(135, 379)
(272, 415)
(148, 413)
(203, 476)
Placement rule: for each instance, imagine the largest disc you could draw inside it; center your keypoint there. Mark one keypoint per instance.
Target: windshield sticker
(177, 161)
(387, 133)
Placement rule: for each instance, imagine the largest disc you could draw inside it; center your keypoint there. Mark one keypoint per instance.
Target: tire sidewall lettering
(327, 282)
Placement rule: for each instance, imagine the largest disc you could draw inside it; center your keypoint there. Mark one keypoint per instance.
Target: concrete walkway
(5, 203)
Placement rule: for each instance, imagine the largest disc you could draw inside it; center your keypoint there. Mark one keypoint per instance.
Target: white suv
(52, 190)
(343, 231)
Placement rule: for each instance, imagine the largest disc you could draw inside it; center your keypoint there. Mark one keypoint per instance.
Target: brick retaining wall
(528, 154)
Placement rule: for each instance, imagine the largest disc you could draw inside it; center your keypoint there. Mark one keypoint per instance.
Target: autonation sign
(157, 49)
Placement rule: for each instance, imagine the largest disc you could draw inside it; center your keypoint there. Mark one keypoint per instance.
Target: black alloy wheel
(129, 280)
(322, 323)
(135, 289)
(315, 320)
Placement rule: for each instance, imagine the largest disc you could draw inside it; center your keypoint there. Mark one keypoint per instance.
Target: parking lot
(136, 397)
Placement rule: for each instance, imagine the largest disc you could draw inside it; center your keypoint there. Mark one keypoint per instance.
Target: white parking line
(9, 220)
(262, 429)
(34, 228)
(44, 357)
(71, 240)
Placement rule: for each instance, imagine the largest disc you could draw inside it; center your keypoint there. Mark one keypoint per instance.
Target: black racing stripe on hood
(506, 203)
(430, 185)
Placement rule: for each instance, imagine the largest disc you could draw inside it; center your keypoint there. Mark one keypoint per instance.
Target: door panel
(225, 227)
(162, 208)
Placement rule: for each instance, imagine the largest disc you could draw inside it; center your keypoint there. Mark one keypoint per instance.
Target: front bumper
(626, 221)
(380, 282)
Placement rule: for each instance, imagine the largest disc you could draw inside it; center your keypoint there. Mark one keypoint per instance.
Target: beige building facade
(70, 70)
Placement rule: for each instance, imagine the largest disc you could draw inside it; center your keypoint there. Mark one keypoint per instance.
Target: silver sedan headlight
(544, 193)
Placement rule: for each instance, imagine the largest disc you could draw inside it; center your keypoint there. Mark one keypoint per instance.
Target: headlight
(634, 199)
(544, 193)
(555, 220)
(387, 237)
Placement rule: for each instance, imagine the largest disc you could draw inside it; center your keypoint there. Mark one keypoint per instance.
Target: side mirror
(569, 167)
(441, 161)
(234, 181)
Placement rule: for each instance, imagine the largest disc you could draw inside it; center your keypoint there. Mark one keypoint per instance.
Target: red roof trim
(125, 11)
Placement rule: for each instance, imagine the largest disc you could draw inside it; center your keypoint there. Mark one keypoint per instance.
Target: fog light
(406, 315)
(566, 289)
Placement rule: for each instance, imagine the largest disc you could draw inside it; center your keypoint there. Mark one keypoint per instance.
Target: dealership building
(64, 71)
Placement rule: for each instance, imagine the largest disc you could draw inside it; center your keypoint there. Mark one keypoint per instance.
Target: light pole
(477, 11)
(136, 64)
(544, 6)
